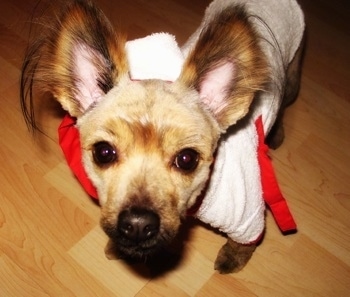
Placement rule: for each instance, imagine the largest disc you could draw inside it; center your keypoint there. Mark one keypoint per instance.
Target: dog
(150, 146)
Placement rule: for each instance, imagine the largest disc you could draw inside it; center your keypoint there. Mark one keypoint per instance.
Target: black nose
(138, 224)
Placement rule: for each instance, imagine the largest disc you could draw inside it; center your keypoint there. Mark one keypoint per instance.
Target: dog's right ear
(226, 66)
(78, 61)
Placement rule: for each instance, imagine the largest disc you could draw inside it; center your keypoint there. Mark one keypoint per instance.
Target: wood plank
(51, 243)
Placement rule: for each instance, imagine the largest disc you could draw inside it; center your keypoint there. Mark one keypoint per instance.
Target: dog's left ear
(78, 61)
(226, 66)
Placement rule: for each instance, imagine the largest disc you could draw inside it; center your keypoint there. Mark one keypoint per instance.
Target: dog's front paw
(233, 256)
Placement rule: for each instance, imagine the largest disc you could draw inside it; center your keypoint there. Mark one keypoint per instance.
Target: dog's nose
(138, 224)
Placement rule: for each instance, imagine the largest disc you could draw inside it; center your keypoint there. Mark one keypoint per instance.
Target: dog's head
(147, 145)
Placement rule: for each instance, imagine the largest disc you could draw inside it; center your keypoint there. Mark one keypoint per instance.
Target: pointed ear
(226, 66)
(79, 60)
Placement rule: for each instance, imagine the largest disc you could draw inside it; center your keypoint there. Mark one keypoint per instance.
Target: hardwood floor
(50, 240)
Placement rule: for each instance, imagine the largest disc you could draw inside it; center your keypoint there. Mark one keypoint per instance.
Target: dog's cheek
(192, 186)
(98, 176)
(170, 221)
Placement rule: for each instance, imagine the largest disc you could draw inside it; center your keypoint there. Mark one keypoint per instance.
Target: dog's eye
(187, 160)
(104, 153)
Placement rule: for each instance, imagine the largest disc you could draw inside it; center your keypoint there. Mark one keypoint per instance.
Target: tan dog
(148, 146)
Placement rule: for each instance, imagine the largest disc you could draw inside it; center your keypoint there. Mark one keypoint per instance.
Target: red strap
(271, 191)
(69, 141)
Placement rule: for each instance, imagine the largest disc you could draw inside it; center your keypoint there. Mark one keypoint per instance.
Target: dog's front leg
(233, 256)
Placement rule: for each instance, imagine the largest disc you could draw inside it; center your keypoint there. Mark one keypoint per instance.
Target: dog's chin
(123, 248)
(138, 252)
(141, 250)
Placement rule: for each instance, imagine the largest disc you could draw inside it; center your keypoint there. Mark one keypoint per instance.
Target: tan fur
(149, 141)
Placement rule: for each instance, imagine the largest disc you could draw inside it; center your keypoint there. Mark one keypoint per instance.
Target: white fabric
(234, 200)
(156, 56)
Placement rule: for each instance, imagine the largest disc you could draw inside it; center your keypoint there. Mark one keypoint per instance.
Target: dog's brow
(111, 132)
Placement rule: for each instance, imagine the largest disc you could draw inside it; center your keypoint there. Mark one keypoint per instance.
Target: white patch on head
(156, 56)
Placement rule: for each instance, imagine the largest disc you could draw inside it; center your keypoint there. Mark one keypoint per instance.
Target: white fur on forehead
(86, 74)
(156, 56)
(214, 88)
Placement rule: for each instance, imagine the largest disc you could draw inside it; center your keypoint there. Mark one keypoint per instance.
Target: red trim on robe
(271, 191)
(69, 140)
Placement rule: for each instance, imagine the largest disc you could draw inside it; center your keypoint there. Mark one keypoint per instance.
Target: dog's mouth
(138, 234)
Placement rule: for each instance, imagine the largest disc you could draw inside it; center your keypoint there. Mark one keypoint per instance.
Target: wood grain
(50, 240)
